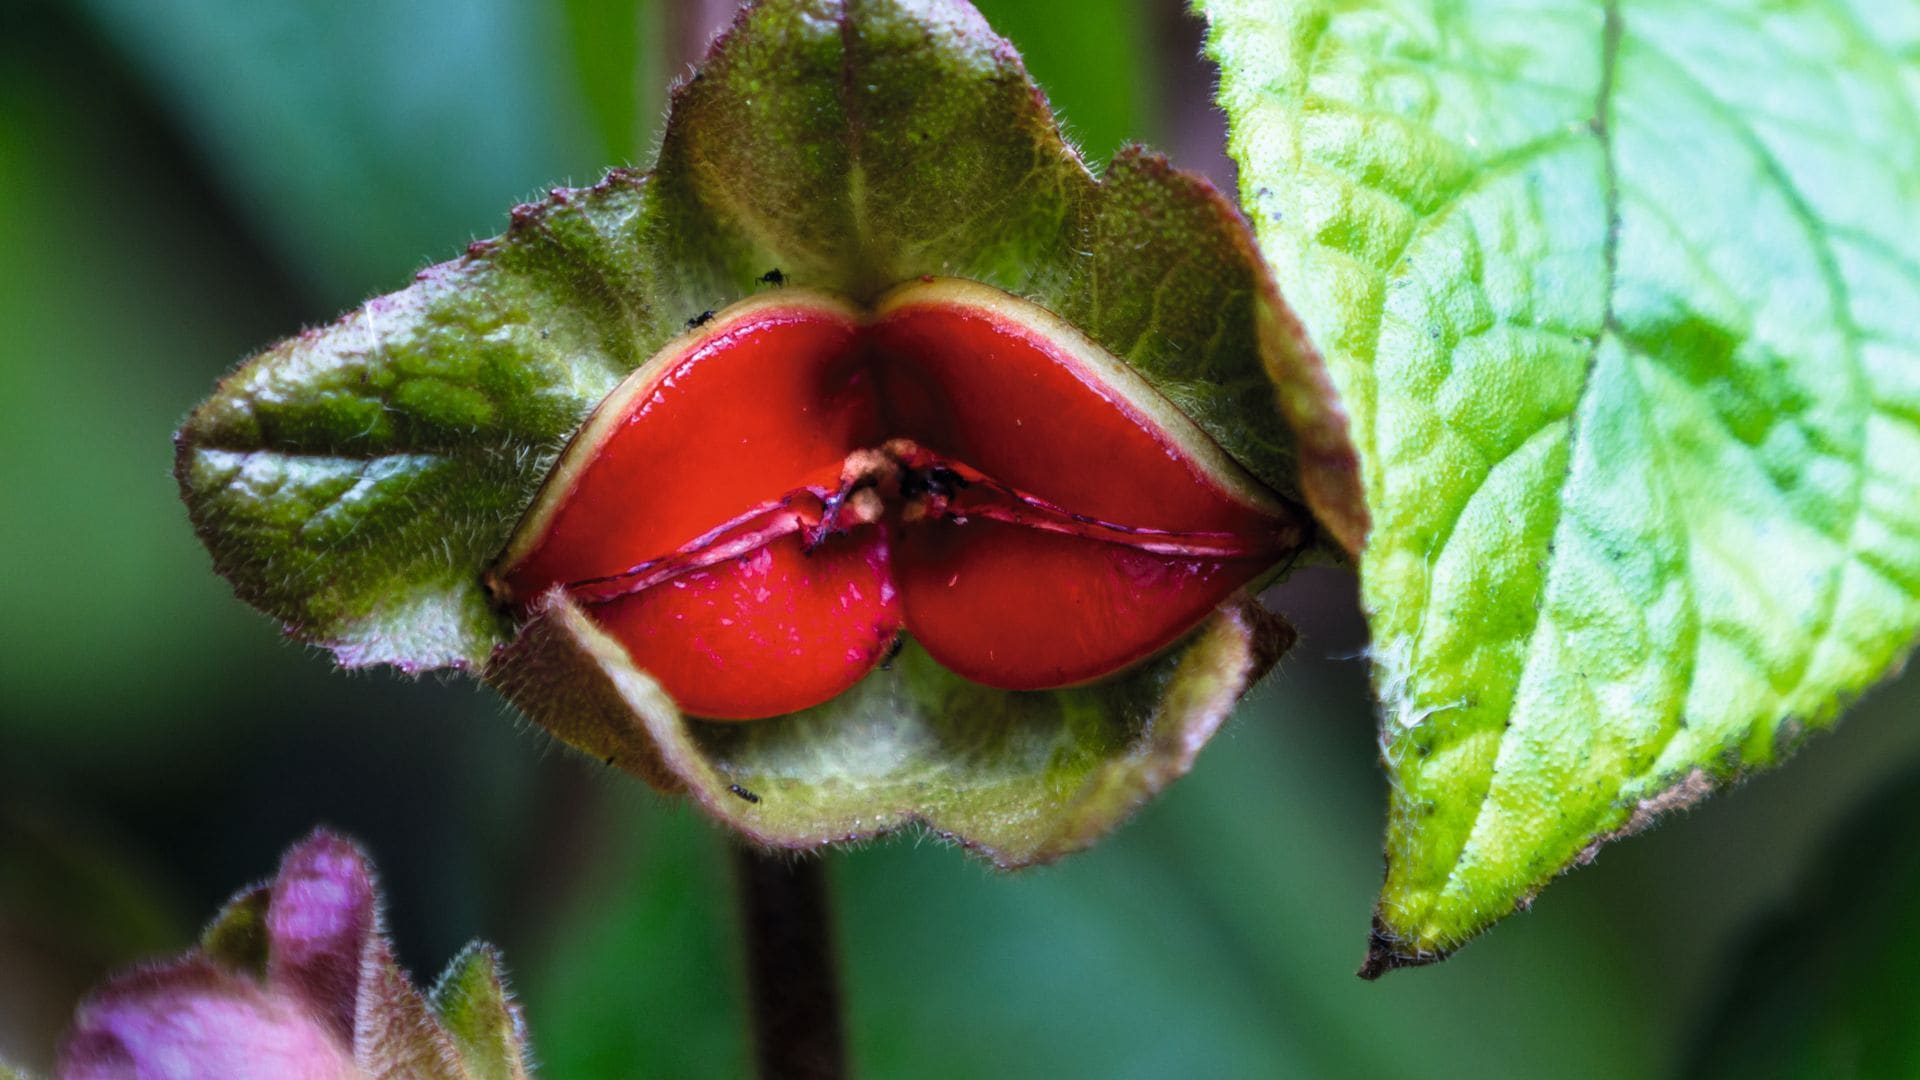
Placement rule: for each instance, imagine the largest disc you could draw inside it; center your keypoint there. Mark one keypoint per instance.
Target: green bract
(1620, 298)
(356, 481)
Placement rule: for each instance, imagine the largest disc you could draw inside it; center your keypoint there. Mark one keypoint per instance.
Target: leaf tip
(1387, 950)
(237, 939)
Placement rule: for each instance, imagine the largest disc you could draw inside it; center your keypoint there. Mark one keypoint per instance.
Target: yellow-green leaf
(1620, 300)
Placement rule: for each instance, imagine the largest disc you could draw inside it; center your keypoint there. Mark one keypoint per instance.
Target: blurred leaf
(73, 904)
(305, 145)
(92, 527)
(619, 52)
(1619, 298)
(1828, 989)
(60, 884)
(640, 966)
(1094, 59)
(1180, 947)
(1185, 947)
(365, 137)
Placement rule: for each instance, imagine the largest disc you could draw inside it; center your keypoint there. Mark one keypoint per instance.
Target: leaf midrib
(1600, 124)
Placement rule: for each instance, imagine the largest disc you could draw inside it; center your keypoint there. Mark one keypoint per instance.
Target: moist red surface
(745, 416)
(1024, 609)
(766, 633)
(773, 405)
(999, 397)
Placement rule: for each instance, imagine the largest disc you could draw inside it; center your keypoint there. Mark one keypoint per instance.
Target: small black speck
(743, 793)
(610, 758)
(701, 319)
(893, 652)
(545, 334)
(773, 277)
(936, 480)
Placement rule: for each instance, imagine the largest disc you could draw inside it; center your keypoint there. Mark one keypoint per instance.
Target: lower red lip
(760, 510)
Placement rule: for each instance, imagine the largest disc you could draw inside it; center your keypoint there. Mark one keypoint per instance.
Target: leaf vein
(1601, 125)
(1840, 296)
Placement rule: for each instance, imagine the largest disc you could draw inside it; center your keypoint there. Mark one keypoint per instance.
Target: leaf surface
(1617, 298)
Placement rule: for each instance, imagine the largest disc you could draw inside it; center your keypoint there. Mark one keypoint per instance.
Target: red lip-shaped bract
(761, 509)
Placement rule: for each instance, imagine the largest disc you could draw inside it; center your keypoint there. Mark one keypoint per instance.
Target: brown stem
(793, 985)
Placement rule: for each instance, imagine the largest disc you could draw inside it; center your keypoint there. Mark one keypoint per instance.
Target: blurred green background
(182, 182)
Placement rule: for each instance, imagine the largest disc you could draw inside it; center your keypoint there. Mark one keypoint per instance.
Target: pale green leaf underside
(1621, 300)
(1020, 777)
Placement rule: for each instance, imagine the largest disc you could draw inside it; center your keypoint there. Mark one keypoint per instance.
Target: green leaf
(651, 903)
(1096, 59)
(357, 481)
(1825, 988)
(472, 1002)
(301, 148)
(354, 480)
(1619, 300)
(613, 45)
(88, 673)
(237, 938)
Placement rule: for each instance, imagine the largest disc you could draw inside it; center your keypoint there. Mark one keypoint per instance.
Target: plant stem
(793, 984)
